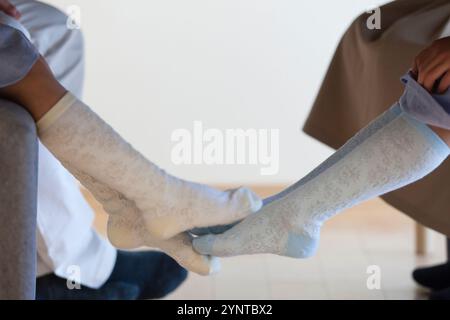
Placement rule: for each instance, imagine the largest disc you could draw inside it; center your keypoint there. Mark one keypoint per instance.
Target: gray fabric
(362, 82)
(428, 108)
(17, 55)
(18, 202)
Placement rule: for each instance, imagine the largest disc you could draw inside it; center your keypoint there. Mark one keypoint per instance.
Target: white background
(155, 66)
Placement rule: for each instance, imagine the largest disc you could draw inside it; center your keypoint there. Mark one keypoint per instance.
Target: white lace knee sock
(126, 230)
(80, 139)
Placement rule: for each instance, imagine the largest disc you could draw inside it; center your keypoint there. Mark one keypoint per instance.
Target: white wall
(155, 66)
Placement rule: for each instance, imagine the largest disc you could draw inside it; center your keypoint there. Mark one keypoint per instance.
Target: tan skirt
(363, 81)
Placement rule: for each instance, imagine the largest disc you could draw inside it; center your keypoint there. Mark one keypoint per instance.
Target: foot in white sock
(126, 230)
(393, 151)
(83, 141)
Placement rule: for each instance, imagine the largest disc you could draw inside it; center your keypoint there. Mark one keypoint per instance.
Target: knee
(16, 124)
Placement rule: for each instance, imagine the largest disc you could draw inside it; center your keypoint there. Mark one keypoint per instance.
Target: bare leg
(442, 133)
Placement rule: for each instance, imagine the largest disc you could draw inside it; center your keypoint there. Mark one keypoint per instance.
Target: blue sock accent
(301, 246)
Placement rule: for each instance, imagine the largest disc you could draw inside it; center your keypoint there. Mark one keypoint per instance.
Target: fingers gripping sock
(393, 151)
(80, 139)
(126, 229)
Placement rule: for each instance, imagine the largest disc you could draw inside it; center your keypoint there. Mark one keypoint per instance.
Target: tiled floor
(370, 234)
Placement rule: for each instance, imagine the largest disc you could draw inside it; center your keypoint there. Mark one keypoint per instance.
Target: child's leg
(393, 151)
(82, 140)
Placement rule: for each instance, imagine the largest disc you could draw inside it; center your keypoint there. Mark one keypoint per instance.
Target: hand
(9, 9)
(432, 65)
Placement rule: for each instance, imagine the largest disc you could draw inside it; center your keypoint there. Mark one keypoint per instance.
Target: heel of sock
(301, 246)
(121, 234)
